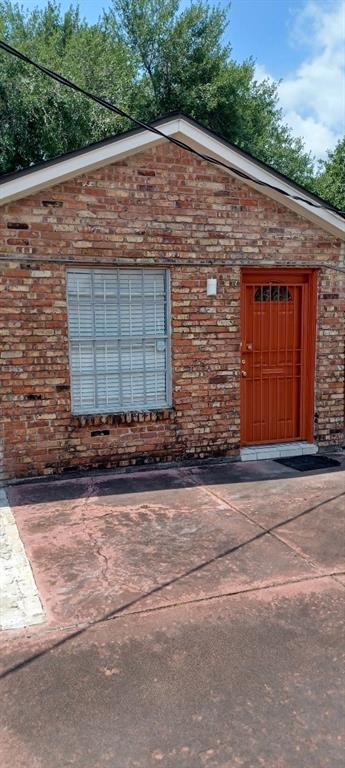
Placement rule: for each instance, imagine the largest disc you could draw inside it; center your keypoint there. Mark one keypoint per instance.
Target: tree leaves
(148, 56)
(331, 182)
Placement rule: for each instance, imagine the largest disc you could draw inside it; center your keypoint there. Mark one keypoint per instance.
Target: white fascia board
(50, 175)
(196, 137)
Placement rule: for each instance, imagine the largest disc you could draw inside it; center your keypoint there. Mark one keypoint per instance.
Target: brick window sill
(131, 417)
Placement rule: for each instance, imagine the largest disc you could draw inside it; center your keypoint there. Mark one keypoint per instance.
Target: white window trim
(140, 407)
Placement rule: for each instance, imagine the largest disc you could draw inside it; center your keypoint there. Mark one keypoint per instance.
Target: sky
(298, 42)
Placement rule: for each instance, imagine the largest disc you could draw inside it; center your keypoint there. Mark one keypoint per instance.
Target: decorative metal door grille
(272, 363)
(272, 293)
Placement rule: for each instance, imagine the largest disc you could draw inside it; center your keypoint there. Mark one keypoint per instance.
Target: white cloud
(261, 73)
(317, 136)
(313, 96)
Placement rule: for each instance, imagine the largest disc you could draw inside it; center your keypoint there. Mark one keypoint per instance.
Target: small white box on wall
(212, 286)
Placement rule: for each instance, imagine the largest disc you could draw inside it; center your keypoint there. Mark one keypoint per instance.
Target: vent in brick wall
(99, 432)
(33, 396)
(52, 203)
(17, 225)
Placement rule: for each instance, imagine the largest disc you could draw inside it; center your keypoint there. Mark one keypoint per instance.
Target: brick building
(157, 307)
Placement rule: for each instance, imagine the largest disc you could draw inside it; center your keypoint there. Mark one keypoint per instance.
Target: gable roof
(49, 173)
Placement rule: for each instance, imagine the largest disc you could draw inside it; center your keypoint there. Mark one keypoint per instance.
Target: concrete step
(277, 450)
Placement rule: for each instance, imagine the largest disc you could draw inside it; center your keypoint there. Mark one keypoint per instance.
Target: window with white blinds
(119, 339)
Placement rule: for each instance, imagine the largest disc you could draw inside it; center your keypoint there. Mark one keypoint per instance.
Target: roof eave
(26, 183)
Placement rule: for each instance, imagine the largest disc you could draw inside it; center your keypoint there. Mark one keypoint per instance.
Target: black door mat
(308, 463)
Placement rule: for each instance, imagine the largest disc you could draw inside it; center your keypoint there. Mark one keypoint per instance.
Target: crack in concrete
(91, 493)
(83, 501)
(195, 600)
(90, 519)
(271, 533)
(339, 581)
(105, 568)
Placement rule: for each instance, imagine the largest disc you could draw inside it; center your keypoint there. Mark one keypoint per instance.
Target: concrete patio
(193, 618)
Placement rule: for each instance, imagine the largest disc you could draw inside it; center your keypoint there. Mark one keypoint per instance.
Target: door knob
(244, 373)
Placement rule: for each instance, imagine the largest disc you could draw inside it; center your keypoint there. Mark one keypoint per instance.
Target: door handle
(244, 373)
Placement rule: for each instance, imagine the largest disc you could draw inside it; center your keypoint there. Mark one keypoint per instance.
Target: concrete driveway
(193, 619)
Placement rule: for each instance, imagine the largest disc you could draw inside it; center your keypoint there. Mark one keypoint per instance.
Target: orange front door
(276, 384)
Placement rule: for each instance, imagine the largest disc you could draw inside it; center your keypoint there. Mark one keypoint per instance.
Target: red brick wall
(160, 207)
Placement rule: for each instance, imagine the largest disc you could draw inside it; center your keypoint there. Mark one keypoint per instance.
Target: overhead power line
(141, 124)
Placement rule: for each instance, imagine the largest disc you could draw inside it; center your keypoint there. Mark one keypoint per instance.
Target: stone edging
(20, 604)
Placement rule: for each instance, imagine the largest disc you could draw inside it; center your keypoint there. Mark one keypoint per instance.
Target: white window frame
(140, 406)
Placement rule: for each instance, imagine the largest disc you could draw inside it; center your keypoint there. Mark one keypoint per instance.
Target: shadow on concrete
(113, 614)
(138, 480)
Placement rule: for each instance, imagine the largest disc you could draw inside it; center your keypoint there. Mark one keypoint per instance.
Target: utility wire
(122, 113)
(113, 614)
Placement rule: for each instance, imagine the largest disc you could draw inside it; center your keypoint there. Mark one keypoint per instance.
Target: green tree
(149, 57)
(331, 181)
(39, 118)
(185, 65)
